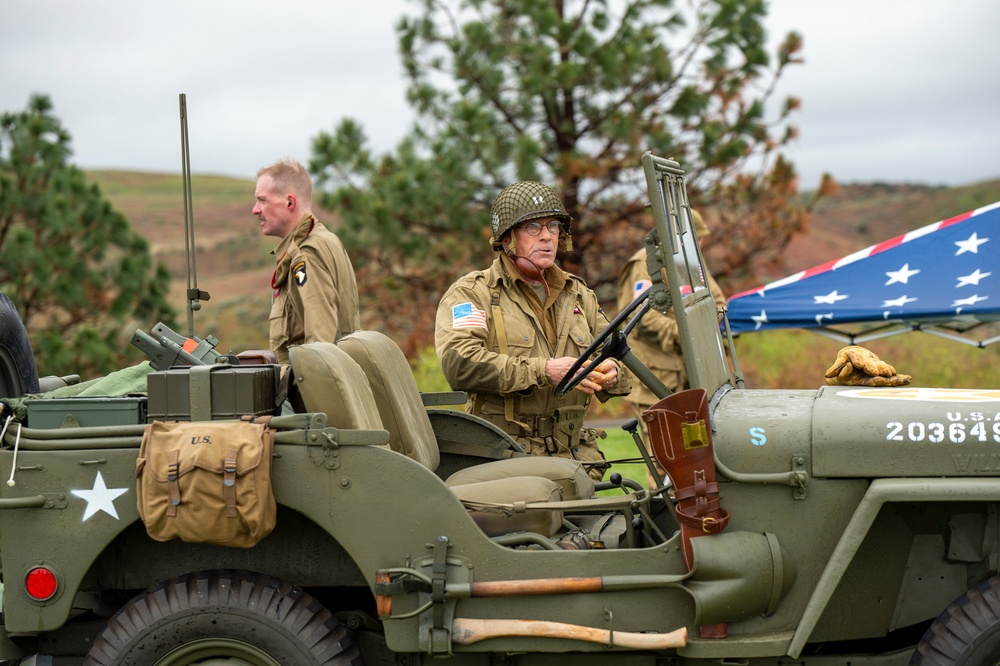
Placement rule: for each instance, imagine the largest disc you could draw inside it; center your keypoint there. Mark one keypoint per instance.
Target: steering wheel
(615, 344)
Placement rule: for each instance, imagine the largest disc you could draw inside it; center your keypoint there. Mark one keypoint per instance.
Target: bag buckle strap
(173, 489)
(229, 482)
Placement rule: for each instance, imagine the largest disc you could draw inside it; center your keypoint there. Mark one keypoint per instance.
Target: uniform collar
(292, 240)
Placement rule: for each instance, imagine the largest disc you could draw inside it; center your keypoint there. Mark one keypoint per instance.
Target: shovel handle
(466, 631)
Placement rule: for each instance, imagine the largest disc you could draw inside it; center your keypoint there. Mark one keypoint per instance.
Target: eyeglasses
(535, 228)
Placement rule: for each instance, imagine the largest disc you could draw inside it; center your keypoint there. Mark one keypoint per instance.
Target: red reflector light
(40, 583)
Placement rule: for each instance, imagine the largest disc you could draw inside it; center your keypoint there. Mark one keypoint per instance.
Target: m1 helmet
(528, 200)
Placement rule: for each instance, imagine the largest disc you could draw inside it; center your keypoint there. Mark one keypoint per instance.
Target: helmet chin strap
(527, 268)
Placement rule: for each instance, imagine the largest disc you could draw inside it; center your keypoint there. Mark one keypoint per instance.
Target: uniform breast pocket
(520, 340)
(579, 336)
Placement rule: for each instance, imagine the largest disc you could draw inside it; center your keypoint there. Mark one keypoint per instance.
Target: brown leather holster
(681, 439)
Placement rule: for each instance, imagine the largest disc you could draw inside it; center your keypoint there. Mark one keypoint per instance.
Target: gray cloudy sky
(892, 90)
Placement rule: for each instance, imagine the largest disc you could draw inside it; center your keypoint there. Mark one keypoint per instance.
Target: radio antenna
(194, 295)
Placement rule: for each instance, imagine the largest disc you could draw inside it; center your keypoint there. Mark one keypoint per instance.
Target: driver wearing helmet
(508, 334)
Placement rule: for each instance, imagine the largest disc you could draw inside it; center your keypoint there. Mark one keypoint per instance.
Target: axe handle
(536, 586)
(466, 631)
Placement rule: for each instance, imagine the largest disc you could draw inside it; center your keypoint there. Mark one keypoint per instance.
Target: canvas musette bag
(206, 482)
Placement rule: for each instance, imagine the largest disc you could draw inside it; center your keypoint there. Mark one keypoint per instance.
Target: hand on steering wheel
(600, 378)
(615, 345)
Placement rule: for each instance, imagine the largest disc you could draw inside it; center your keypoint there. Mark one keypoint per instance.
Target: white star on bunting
(902, 275)
(830, 298)
(971, 278)
(761, 319)
(971, 244)
(897, 302)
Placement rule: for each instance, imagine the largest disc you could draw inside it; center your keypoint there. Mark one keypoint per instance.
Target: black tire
(967, 633)
(213, 616)
(17, 364)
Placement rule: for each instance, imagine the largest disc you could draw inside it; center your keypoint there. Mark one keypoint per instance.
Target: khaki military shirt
(495, 360)
(315, 296)
(655, 341)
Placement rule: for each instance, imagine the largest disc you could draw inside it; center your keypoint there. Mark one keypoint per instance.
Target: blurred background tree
(571, 93)
(81, 278)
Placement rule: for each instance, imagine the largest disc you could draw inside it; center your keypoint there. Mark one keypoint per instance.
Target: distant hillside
(234, 264)
(861, 215)
(233, 261)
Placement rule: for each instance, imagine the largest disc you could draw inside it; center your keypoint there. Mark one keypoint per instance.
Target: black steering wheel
(615, 344)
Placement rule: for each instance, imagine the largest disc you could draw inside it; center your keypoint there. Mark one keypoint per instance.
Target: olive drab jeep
(354, 520)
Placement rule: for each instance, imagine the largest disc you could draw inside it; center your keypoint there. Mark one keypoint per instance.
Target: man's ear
(291, 202)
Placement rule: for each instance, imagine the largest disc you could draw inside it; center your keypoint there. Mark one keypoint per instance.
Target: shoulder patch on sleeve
(299, 272)
(641, 286)
(467, 315)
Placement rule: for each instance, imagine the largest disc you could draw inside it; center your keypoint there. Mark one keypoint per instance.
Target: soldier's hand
(857, 366)
(556, 369)
(605, 374)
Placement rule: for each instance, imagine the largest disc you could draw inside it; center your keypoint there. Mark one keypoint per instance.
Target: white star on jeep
(830, 298)
(971, 278)
(902, 275)
(100, 498)
(897, 302)
(971, 244)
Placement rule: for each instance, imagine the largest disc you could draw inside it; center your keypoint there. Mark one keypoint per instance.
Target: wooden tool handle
(536, 586)
(466, 631)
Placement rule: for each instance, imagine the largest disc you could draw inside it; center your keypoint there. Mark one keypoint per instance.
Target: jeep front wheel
(967, 633)
(223, 617)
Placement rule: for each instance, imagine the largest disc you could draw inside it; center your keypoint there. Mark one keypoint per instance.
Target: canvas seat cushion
(570, 475)
(490, 502)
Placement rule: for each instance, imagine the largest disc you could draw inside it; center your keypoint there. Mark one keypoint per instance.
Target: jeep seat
(329, 381)
(397, 398)
(492, 485)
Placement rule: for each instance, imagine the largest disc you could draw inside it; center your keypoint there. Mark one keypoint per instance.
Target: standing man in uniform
(656, 340)
(508, 334)
(314, 291)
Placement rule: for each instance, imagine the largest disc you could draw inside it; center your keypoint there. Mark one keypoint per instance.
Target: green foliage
(619, 445)
(427, 372)
(570, 93)
(76, 271)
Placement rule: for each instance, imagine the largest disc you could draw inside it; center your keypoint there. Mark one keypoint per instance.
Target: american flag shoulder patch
(467, 315)
(641, 286)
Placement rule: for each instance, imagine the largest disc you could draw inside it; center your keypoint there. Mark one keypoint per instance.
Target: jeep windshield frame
(672, 251)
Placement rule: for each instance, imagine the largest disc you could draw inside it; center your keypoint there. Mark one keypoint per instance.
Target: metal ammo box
(211, 392)
(85, 412)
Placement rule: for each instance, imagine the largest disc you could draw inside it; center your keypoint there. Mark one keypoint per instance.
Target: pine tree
(81, 279)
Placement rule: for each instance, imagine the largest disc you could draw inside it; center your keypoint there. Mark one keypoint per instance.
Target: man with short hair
(508, 334)
(314, 290)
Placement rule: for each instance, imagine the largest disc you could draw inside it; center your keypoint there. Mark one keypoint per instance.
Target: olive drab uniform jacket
(315, 297)
(493, 337)
(655, 341)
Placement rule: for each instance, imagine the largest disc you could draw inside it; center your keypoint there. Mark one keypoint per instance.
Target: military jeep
(407, 533)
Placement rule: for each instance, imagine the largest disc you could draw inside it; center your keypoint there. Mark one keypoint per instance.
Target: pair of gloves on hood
(857, 366)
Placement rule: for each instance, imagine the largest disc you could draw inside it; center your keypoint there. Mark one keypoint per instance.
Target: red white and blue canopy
(945, 273)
